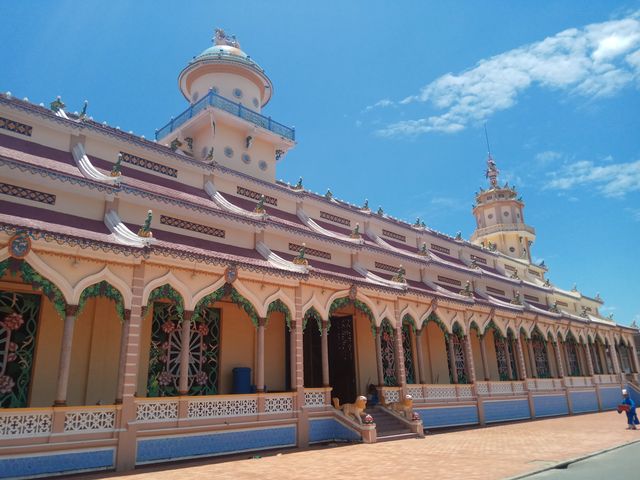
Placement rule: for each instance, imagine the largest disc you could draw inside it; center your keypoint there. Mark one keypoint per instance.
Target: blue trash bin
(242, 380)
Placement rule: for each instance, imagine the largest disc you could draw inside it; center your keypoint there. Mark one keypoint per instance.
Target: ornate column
(417, 367)
(532, 359)
(262, 322)
(185, 353)
(483, 355)
(297, 370)
(507, 354)
(556, 350)
(65, 355)
(634, 357)
(324, 351)
(419, 354)
(566, 358)
(613, 351)
(587, 353)
(123, 354)
(546, 348)
(399, 354)
(379, 366)
(471, 370)
(519, 351)
(452, 360)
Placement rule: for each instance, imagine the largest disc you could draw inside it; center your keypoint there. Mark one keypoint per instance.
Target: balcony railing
(212, 99)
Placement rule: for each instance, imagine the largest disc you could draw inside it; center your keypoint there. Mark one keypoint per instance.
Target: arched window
(388, 354)
(408, 353)
(540, 355)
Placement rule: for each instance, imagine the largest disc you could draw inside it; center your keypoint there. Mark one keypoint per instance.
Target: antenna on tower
(486, 136)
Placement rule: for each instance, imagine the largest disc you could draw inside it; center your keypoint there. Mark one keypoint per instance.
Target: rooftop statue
(115, 171)
(260, 205)
(492, 172)
(145, 230)
(221, 38)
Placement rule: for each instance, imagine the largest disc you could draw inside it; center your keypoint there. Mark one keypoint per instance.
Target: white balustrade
(25, 424)
(500, 388)
(222, 407)
(391, 394)
(518, 387)
(440, 392)
(415, 391)
(90, 420)
(278, 403)
(465, 391)
(157, 409)
(482, 388)
(314, 397)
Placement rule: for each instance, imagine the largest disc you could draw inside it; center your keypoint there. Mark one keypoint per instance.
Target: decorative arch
(106, 290)
(105, 275)
(407, 319)
(434, 318)
(37, 281)
(278, 305)
(313, 314)
(314, 303)
(176, 285)
(226, 291)
(168, 292)
(283, 300)
(341, 302)
(523, 331)
(510, 333)
(409, 311)
(497, 331)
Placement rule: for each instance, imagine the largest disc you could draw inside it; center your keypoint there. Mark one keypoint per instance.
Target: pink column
(523, 368)
(420, 355)
(587, 354)
(507, 355)
(123, 354)
(613, 350)
(185, 353)
(399, 353)
(483, 356)
(556, 351)
(379, 357)
(126, 453)
(634, 357)
(324, 350)
(414, 354)
(65, 355)
(471, 369)
(452, 360)
(260, 355)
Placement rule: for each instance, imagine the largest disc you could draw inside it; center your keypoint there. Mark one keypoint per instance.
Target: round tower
(499, 214)
(229, 72)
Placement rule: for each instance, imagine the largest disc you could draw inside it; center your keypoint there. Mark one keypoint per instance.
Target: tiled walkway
(481, 453)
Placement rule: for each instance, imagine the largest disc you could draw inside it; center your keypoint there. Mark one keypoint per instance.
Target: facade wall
(366, 364)
(274, 353)
(437, 354)
(47, 357)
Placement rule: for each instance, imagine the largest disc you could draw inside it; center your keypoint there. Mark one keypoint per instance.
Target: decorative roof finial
(221, 38)
(260, 205)
(299, 185)
(366, 205)
(400, 275)
(57, 104)
(300, 259)
(356, 231)
(328, 195)
(145, 230)
(115, 171)
(492, 170)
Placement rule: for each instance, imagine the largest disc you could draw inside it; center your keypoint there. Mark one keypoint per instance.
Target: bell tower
(499, 214)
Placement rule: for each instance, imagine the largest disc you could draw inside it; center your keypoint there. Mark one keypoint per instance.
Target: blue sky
(388, 100)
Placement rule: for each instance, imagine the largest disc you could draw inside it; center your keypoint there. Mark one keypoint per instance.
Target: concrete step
(397, 436)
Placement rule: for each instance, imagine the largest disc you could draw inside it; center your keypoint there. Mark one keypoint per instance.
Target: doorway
(342, 369)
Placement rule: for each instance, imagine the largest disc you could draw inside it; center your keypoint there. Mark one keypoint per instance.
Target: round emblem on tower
(20, 245)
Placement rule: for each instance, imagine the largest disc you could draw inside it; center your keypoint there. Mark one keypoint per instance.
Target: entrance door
(312, 355)
(342, 368)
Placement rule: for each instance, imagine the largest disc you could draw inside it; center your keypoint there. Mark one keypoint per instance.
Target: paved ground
(620, 463)
(481, 453)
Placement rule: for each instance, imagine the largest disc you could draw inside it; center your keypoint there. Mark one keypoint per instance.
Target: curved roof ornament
(221, 38)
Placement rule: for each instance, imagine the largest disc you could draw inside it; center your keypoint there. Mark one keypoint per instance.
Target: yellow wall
(437, 354)
(492, 358)
(238, 340)
(47, 356)
(366, 363)
(274, 353)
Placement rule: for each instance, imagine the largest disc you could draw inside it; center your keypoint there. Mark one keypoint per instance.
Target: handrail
(212, 99)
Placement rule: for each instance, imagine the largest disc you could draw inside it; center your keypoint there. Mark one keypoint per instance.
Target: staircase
(388, 426)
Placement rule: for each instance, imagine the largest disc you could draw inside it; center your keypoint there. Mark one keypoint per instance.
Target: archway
(312, 348)
(540, 355)
(31, 313)
(411, 363)
(435, 338)
(351, 348)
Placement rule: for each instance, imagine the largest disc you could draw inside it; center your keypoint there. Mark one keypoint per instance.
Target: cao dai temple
(170, 299)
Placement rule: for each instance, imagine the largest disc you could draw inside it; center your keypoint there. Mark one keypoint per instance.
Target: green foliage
(105, 290)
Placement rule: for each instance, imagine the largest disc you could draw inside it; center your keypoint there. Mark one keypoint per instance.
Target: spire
(492, 170)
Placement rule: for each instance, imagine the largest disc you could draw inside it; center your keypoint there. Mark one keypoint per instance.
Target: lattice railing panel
(89, 420)
(415, 392)
(465, 391)
(25, 424)
(222, 408)
(157, 411)
(482, 388)
(391, 396)
(501, 388)
(518, 387)
(441, 392)
(314, 398)
(279, 404)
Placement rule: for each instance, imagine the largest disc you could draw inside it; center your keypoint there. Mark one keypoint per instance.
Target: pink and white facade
(226, 319)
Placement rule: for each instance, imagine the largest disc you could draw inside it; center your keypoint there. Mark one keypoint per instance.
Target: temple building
(167, 299)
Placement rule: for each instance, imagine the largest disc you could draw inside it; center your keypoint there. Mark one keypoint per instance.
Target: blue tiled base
(505, 410)
(633, 393)
(326, 429)
(448, 416)
(610, 397)
(30, 466)
(176, 447)
(584, 402)
(549, 405)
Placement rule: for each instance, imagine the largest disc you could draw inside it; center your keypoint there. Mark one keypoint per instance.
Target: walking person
(629, 407)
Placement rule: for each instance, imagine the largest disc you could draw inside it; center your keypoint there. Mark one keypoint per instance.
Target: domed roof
(222, 50)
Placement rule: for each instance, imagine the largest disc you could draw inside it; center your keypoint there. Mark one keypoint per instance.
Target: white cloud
(594, 61)
(612, 179)
(385, 102)
(547, 157)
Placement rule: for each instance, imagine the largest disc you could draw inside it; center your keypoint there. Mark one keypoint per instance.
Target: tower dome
(228, 71)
